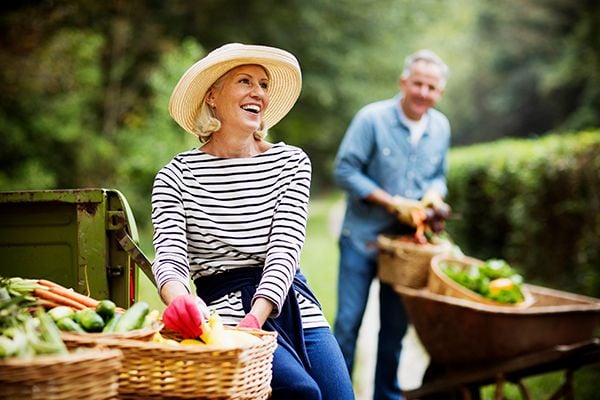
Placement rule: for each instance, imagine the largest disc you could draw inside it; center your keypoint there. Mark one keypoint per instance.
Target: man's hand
(434, 200)
(408, 211)
(185, 314)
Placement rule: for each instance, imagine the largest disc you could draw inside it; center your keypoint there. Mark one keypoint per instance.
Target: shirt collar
(400, 116)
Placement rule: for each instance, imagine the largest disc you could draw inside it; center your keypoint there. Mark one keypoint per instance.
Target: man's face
(421, 89)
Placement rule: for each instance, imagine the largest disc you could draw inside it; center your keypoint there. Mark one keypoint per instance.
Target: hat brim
(285, 81)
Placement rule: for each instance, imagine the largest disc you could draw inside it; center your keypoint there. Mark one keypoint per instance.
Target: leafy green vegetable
(494, 279)
(17, 286)
(21, 333)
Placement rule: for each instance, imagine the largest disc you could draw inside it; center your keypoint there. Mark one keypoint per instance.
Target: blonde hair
(207, 122)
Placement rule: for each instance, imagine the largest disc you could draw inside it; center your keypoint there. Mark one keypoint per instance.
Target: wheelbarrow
(471, 344)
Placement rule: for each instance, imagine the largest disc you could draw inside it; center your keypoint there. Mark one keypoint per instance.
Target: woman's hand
(185, 314)
(261, 309)
(249, 321)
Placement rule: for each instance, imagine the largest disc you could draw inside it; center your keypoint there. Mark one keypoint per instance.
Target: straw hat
(285, 81)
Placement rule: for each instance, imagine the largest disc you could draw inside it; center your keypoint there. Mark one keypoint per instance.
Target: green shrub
(533, 202)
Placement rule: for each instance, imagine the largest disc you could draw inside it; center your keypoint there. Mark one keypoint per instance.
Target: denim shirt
(376, 152)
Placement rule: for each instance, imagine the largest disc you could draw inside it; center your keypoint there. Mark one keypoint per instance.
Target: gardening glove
(249, 321)
(408, 211)
(434, 200)
(185, 314)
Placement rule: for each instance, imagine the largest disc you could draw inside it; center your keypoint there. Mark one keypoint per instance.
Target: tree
(542, 71)
(88, 65)
(76, 74)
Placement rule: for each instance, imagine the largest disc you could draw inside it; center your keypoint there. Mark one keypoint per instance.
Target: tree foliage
(86, 83)
(542, 60)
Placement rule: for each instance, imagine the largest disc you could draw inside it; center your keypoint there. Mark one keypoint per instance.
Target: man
(391, 161)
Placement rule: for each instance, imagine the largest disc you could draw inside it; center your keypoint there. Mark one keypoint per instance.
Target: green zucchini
(110, 325)
(50, 332)
(68, 325)
(60, 312)
(75, 316)
(90, 320)
(133, 318)
(106, 309)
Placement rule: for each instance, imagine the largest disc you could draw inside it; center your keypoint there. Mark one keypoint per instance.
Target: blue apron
(288, 324)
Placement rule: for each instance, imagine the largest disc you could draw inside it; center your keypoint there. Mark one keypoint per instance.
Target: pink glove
(249, 321)
(184, 315)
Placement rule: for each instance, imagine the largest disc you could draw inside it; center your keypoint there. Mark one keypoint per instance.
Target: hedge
(534, 203)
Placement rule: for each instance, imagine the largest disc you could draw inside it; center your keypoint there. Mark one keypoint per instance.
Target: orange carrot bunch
(51, 294)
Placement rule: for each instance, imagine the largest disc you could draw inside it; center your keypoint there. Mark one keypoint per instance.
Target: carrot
(419, 218)
(47, 304)
(54, 297)
(49, 284)
(78, 297)
(69, 293)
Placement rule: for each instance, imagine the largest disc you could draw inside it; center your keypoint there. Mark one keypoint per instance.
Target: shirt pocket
(430, 165)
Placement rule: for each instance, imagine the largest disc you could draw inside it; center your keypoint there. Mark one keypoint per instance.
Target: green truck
(85, 239)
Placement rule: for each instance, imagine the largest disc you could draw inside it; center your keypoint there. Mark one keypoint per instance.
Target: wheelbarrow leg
(523, 390)
(499, 392)
(470, 392)
(565, 390)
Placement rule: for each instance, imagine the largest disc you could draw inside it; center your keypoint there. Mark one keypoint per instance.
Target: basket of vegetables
(492, 282)
(405, 259)
(35, 363)
(223, 363)
(83, 319)
(73, 375)
(86, 326)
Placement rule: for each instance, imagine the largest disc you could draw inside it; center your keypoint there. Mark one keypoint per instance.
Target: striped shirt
(214, 214)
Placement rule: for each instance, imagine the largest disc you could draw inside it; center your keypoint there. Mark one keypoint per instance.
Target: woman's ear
(210, 98)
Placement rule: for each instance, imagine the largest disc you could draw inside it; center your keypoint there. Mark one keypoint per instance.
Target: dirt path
(414, 358)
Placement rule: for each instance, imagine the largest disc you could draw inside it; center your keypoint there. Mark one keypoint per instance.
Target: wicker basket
(440, 283)
(401, 262)
(157, 370)
(88, 373)
(73, 339)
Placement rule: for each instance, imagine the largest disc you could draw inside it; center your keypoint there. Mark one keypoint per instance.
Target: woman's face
(240, 98)
(421, 89)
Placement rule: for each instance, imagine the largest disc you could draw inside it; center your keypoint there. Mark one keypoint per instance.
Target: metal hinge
(116, 222)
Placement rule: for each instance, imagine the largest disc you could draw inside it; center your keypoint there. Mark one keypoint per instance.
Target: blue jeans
(357, 271)
(327, 379)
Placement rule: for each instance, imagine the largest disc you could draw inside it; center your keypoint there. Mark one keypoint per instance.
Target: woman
(231, 216)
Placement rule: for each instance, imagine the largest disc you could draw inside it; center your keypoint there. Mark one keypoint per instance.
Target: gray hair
(429, 57)
(207, 122)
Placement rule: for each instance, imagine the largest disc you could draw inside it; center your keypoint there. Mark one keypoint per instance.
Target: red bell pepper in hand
(186, 314)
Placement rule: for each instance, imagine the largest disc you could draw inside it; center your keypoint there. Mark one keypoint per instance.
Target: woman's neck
(225, 146)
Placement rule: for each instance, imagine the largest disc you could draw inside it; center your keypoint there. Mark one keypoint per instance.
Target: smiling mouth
(253, 108)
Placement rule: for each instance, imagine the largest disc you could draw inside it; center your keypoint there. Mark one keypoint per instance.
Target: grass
(319, 258)
(319, 262)
(585, 385)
